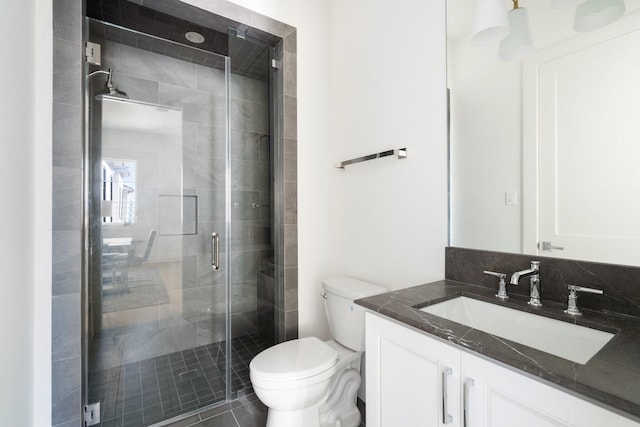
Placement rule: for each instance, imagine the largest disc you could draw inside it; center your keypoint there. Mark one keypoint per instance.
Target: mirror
(545, 149)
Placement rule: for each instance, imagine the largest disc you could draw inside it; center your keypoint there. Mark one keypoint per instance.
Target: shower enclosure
(179, 221)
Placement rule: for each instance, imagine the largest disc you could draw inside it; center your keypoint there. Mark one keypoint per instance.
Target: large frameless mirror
(542, 147)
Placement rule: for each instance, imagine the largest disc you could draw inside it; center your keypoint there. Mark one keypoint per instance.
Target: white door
(588, 169)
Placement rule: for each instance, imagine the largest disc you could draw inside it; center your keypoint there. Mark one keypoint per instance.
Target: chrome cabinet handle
(446, 418)
(215, 251)
(549, 246)
(465, 401)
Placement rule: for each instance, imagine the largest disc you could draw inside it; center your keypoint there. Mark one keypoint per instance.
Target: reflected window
(118, 191)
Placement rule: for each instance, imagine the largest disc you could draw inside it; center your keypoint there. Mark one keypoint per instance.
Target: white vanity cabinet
(412, 380)
(405, 373)
(499, 397)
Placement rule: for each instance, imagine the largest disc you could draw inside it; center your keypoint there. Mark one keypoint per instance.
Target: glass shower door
(158, 189)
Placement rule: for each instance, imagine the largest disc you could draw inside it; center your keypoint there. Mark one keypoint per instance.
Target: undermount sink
(562, 339)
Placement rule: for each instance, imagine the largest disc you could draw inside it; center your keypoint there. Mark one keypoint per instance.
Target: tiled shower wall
(199, 318)
(67, 213)
(67, 177)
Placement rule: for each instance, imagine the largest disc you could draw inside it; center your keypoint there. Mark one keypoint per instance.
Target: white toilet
(311, 383)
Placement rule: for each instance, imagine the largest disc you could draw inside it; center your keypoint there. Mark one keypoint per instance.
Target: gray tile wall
(285, 234)
(198, 318)
(286, 176)
(290, 169)
(67, 212)
(67, 194)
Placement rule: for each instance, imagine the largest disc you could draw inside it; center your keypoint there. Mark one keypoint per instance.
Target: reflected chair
(120, 263)
(137, 260)
(114, 271)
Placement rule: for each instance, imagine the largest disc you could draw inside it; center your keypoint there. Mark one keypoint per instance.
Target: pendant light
(594, 14)
(518, 43)
(490, 24)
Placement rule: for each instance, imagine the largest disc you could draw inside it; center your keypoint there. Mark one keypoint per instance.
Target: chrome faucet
(502, 286)
(572, 307)
(534, 278)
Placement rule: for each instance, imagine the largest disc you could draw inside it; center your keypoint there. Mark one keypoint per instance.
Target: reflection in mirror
(573, 94)
(118, 191)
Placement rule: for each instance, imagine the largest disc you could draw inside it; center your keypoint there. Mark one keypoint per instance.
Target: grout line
(155, 369)
(173, 380)
(234, 416)
(205, 377)
(141, 393)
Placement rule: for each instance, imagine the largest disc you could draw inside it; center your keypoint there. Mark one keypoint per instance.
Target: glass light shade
(519, 42)
(490, 24)
(594, 14)
(565, 4)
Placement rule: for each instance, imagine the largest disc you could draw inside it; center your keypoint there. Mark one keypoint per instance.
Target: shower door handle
(215, 251)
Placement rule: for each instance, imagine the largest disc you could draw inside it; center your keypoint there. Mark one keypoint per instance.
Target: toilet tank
(346, 319)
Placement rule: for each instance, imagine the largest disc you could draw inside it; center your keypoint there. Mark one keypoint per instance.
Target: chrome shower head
(109, 89)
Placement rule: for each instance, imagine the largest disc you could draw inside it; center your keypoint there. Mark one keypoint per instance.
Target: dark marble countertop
(610, 379)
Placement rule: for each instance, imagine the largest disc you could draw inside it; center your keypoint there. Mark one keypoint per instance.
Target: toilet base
(349, 416)
(307, 417)
(340, 409)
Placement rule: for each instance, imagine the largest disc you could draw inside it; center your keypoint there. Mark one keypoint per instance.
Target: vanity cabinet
(496, 396)
(412, 380)
(416, 380)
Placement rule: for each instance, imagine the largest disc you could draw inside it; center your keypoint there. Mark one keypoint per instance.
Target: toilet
(313, 383)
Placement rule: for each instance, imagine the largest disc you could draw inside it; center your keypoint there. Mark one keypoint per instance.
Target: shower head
(109, 89)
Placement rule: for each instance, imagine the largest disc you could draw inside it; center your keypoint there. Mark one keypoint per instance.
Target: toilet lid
(294, 359)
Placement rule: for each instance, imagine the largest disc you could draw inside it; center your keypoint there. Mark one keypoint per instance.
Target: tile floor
(149, 391)
(245, 412)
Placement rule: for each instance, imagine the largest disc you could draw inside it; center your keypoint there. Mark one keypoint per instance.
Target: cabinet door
(495, 396)
(412, 379)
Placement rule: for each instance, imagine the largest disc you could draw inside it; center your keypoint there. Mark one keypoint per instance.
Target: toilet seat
(294, 360)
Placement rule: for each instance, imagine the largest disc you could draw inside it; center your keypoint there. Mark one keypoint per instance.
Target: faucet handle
(501, 276)
(572, 307)
(502, 291)
(575, 288)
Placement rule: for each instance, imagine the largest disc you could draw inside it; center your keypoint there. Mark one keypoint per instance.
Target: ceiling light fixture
(594, 14)
(490, 24)
(518, 43)
(194, 37)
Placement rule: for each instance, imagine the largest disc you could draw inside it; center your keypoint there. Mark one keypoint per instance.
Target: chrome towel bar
(401, 153)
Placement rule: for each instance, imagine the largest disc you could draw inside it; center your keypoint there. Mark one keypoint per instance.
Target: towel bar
(401, 153)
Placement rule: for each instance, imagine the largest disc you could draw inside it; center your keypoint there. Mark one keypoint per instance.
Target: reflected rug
(145, 290)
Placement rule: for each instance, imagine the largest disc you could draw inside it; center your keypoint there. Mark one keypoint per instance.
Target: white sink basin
(562, 339)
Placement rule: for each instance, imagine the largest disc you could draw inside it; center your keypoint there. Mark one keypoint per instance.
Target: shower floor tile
(146, 392)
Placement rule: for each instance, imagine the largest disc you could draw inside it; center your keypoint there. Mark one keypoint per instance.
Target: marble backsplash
(621, 284)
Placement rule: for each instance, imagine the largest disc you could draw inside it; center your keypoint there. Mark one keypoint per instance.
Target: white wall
(25, 225)
(388, 90)
(486, 134)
